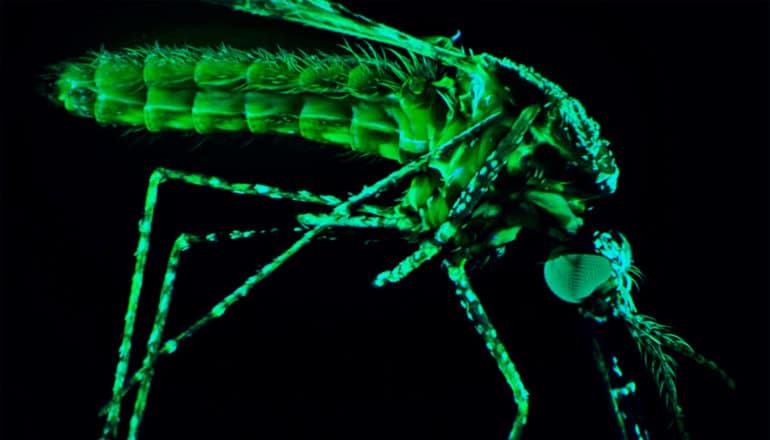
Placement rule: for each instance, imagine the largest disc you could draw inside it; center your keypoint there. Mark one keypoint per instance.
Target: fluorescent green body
(398, 109)
(474, 184)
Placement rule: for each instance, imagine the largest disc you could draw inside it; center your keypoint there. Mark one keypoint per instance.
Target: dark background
(679, 88)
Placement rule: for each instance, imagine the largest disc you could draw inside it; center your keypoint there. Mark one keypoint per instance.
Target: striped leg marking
(159, 176)
(468, 200)
(336, 218)
(620, 396)
(478, 317)
(340, 212)
(183, 243)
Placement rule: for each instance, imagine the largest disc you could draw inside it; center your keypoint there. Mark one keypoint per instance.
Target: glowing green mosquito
(488, 148)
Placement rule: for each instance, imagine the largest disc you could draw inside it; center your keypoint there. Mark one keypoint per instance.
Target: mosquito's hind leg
(183, 243)
(478, 317)
(340, 212)
(156, 348)
(159, 176)
(336, 217)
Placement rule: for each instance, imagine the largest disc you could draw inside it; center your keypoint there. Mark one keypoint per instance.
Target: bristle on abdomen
(358, 99)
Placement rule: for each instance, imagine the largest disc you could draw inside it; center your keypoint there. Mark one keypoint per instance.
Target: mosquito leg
(183, 243)
(621, 394)
(338, 215)
(605, 373)
(427, 250)
(156, 349)
(170, 345)
(467, 201)
(394, 221)
(251, 189)
(159, 176)
(340, 211)
(471, 195)
(478, 317)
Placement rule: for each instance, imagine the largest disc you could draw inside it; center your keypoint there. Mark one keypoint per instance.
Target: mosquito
(488, 149)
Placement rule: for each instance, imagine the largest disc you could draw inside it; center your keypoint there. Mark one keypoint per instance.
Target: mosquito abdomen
(360, 100)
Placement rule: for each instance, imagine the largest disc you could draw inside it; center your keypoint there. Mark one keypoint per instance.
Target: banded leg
(340, 212)
(337, 218)
(183, 243)
(427, 250)
(467, 201)
(155, 346)
(159, 176)
(389, 221)
(480, 183)
(478, 317)
(622, 393)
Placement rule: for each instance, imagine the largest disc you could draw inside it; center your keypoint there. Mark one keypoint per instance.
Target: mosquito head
(574, 277)
(600, 267)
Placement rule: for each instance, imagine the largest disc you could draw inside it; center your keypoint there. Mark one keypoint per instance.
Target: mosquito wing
(333, 17)
(336, 18)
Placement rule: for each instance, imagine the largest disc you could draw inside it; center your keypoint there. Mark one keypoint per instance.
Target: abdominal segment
(362, 101)
(397, 109)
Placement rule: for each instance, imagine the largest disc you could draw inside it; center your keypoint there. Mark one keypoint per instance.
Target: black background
(314, 352)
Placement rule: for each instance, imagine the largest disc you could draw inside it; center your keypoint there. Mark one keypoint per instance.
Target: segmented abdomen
(360, 99)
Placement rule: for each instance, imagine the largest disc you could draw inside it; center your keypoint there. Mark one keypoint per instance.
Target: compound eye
(574, 277)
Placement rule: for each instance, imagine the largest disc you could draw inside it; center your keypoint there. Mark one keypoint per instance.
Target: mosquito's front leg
(478, 317)
(619, 396)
